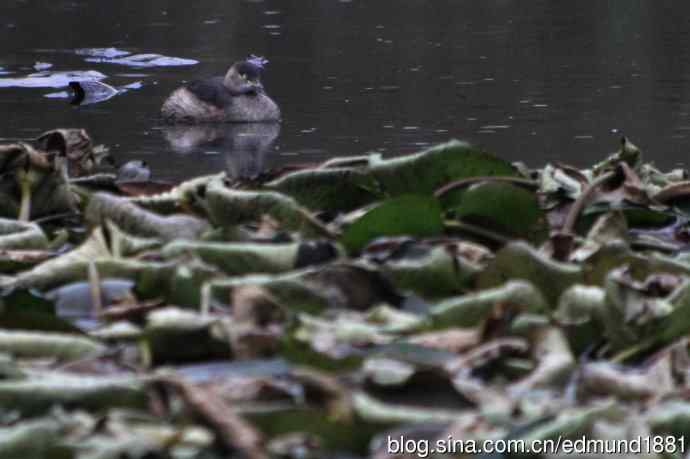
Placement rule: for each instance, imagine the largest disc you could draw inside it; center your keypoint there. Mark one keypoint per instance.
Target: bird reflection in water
(243, 146)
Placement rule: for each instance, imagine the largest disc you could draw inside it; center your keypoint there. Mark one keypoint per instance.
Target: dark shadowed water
(530, 80)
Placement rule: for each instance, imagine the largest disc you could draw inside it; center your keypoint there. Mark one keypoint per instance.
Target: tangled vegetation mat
(318, 312)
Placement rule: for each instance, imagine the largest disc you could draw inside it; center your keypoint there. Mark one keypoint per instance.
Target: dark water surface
(530, 80)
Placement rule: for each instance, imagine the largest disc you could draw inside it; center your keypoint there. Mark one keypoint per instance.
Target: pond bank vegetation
(311, 312)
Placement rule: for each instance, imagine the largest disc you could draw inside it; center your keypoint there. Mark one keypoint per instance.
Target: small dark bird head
(244, 77)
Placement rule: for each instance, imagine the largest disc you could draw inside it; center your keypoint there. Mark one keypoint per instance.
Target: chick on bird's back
(238, 97)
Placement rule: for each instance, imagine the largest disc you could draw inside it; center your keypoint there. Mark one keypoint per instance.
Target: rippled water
(535, 81)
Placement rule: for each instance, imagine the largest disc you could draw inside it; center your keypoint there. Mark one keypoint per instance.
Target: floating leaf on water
(670, 417)
(12, 261)
(144, 60)
(58, 94)
(73, 266)
(345, 188)
(628, 153)
(611, 226)
(30, 310)
(185, 194)
(82, 155)
(373, 410)
(169, 331)
(131, 218)
(228, 207)
(671, 194)
(387, 372)
(245, 258)
(51, 79)
(353, 286)
(336, 189)
(579, 304)
(554, 179)
(135, 85)
(101, 52)
(61, 346)
(568, 422)
(519, 260)
(232, 431)
(615, 254)
(21, 235)
(411, 215)
(35, 438)
(430, 271)
(90, 92)
(606, 378)
(639, 312)
(455, 340)
(42, 66)
(341, 285)
(327, 344)
(45, 390)
(469, 310)
(501, 207)
(522, 344)
(428, 170)
(554, 358)
(676, 195)
(33, 183)
(139, 189)
(635, 215)
(676, 324)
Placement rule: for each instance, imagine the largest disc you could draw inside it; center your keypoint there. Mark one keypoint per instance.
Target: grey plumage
(237, 97)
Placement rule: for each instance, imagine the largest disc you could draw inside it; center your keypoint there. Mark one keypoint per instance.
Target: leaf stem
(583, 200)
